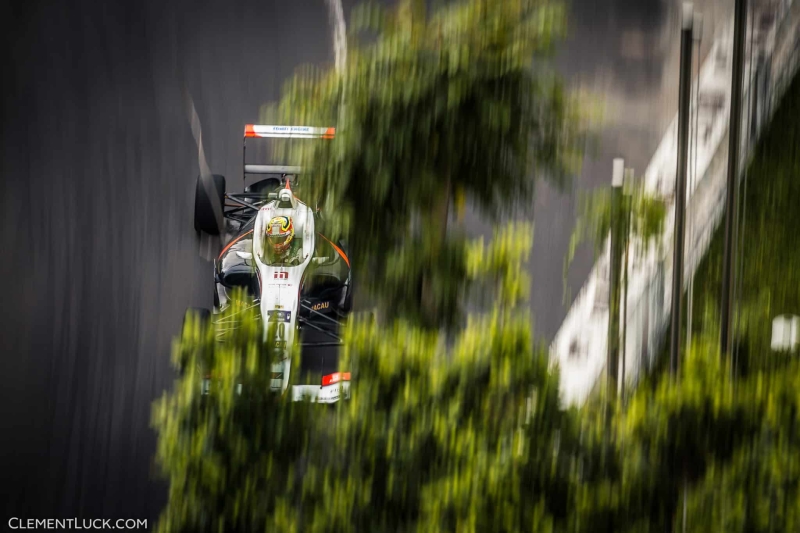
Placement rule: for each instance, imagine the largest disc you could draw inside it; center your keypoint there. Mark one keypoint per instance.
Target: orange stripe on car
(234, 241)
(341, 252)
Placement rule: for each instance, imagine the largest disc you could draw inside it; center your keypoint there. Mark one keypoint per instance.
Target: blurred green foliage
(433, 107)
(769, 243)
(720, 437)
(465, 435)
(465, 432)
(641, 216)
(728, 447)
(757, 490)
(231, 458)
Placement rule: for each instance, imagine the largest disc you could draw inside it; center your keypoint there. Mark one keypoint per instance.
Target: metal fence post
(615, 265)
(734, 143)
(680, 182)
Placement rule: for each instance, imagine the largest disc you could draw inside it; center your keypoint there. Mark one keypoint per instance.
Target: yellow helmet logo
(280, 233)
(280, 224)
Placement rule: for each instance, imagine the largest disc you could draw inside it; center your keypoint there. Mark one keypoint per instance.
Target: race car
(299, 278)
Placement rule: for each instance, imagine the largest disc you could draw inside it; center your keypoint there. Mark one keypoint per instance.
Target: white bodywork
(281, 284)
(325, 394)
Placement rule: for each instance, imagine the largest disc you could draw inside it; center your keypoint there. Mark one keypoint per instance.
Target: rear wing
(288, 132)
(271, 169)
(257, 131)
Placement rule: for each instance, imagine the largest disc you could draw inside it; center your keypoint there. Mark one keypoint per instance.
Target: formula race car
(276, 252)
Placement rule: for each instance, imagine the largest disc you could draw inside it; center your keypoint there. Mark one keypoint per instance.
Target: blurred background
(98, 171)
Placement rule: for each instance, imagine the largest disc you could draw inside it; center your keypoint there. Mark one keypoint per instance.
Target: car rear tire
(204, 219)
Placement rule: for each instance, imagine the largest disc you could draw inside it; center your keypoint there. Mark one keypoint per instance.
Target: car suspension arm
(234, 199)
(315, 312)
(305, 322)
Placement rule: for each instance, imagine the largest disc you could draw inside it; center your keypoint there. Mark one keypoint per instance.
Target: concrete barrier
(579, 347)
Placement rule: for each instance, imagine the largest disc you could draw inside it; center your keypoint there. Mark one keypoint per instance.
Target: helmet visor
(278, 239)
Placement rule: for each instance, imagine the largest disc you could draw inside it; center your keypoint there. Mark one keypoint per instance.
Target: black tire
(204, 219)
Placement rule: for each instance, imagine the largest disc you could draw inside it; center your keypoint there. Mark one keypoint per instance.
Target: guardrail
(579, 347)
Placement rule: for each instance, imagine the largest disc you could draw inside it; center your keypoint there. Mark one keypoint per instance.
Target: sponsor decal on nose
(279, 316)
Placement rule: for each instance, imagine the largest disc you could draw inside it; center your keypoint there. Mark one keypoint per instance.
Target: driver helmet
(280, 232)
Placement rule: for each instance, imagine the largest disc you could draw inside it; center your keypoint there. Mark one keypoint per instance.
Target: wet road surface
(98, 171)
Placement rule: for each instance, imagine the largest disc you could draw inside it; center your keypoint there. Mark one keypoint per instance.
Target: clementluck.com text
(76, 523)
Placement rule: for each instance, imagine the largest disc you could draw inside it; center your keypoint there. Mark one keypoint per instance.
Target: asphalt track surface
(100, 259)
